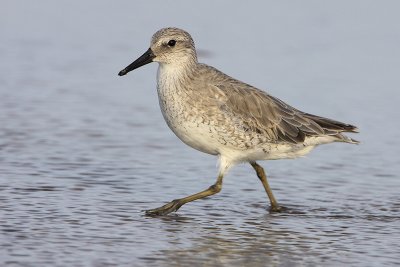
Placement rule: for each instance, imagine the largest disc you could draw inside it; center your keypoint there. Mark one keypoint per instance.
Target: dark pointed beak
(144, 59)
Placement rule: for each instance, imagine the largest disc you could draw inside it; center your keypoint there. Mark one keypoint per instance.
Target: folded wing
(261, 113)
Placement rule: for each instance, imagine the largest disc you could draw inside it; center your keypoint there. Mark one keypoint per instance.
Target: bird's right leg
(174, 205)
(263, 178)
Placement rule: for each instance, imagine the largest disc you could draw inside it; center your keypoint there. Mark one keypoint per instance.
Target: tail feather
(335, 128)
(346, 139)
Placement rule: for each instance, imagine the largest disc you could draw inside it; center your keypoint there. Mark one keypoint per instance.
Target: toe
(164, 210)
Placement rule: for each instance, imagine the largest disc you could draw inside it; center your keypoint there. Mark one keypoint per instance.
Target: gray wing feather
(260, 113)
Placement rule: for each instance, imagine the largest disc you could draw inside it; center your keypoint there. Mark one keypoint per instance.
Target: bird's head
(170, 46)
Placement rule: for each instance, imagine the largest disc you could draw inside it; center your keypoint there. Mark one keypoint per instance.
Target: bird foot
(172, 206)
(276, 208)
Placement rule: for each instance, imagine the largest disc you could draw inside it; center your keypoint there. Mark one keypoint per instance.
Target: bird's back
(253, 113)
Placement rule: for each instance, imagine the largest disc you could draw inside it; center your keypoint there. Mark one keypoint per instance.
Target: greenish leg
(174, 205)
(263, 178)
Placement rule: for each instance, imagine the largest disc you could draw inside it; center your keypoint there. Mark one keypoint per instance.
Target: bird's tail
(335, 128)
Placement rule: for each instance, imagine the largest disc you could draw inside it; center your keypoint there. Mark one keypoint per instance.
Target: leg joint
(259, 171)
(215, 188)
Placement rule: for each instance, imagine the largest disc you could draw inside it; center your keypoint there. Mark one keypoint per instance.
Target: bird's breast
(184, 118)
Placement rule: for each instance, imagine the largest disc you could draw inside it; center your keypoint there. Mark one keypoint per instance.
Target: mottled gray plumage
(256, 113)
(217, 114)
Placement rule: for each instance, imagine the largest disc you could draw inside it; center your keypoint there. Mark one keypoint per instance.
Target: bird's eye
(171, 43)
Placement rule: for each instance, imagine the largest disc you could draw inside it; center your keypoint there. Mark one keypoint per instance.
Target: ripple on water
(81, 155)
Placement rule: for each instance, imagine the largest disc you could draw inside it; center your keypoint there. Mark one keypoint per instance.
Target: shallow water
(83, 152)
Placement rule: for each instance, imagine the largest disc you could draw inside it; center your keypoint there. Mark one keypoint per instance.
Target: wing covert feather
(263, 114)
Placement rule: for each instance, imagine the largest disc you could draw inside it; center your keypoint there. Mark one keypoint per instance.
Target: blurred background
(83, 151)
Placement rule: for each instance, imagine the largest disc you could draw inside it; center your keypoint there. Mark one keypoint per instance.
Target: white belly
(191, 131)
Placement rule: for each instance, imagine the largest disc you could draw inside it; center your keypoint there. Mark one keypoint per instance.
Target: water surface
(83, 152)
